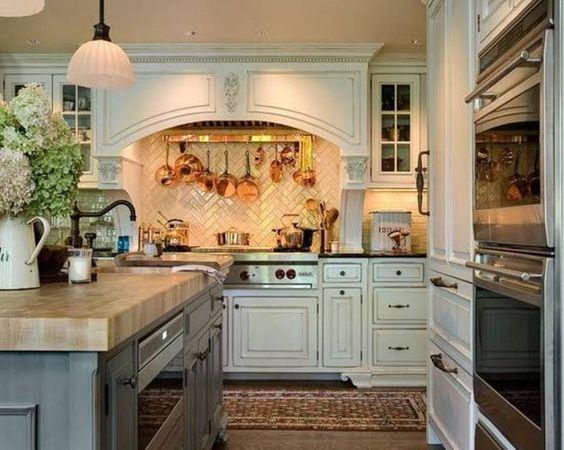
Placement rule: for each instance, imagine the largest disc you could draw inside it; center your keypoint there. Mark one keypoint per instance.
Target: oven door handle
(523, 57)
(525, 276)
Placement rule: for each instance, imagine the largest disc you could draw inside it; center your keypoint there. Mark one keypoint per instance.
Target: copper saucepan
(165, 175)
(247, 189)
(226, 183)
(188, 167)
(206, 180)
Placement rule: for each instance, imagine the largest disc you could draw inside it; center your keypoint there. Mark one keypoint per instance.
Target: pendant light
(100, 63)
(20, 8)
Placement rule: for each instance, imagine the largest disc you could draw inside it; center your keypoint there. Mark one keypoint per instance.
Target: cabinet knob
(131, 382)
(237, 306)
(341, 292)
(398, 273)
(342, 273)
(202, 356)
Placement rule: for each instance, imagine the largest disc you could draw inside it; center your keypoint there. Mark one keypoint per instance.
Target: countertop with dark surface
(373, 255)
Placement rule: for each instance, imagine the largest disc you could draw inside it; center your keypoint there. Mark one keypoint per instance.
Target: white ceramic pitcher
(18, 252)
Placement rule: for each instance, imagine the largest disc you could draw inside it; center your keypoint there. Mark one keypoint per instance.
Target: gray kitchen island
(131, 361)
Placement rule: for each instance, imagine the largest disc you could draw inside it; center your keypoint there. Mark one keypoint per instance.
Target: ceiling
(64, 24)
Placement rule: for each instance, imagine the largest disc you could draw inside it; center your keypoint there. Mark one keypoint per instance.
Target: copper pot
(165, 175)
(188, 167)
(233, 237)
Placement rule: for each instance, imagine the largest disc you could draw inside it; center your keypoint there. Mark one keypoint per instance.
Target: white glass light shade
(20, 8)
(100, 64)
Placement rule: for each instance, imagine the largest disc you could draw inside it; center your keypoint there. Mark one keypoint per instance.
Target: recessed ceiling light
(32, 42)
(190, 33)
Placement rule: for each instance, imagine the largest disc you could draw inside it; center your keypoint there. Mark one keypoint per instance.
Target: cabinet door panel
(275, 332)
(341, 327)
(216, 372)
(437, 77)
(121, 423)
(450, 402)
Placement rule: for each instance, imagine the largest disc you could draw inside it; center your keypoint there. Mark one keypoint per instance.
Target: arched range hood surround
(320, 89)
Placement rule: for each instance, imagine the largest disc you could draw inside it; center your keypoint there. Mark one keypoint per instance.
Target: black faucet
(76, 214)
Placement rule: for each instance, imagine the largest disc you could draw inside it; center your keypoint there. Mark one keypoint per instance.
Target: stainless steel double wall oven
(514, 302)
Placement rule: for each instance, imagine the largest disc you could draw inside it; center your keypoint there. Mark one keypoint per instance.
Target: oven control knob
(279, 274)
(244, 275)
(291, 274)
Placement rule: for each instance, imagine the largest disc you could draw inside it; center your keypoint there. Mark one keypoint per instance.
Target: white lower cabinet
(342, 329)
(399, 346)
(450, 400)
(274, 332)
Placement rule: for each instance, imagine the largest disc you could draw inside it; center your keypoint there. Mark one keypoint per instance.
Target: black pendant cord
(101, 30)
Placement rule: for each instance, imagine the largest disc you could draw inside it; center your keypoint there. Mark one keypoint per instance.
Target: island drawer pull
(219, 326)
(202, 356)
(439, 282)
(437, 361)
(399, 348)
(131, 382)
(398, 306)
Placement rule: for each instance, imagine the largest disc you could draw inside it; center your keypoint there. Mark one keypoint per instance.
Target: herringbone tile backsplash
(208, 213)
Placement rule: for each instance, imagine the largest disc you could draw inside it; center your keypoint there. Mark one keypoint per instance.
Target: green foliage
(28, 126)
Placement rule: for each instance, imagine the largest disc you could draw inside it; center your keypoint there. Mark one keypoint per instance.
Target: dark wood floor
(324, 440)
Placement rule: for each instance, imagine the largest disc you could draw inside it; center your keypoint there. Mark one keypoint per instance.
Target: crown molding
(218, 53)
(249, 53)
(400, 59)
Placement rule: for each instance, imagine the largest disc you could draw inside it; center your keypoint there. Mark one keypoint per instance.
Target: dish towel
(200, 268)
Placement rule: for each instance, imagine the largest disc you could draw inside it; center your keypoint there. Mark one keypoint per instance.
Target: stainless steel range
(273, 270)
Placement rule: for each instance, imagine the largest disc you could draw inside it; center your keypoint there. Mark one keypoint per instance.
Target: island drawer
(398, 272)
(348, 273)
(199, 314)
(153, 344)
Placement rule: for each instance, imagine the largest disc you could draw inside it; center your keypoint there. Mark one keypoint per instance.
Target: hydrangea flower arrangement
(40, 159)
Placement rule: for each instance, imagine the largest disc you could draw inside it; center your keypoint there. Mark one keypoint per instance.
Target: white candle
(79, 269)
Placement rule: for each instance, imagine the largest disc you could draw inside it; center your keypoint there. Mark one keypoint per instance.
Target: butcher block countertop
(92, 317)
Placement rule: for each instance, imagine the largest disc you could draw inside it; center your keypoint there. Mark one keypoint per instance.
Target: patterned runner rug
(325, 409)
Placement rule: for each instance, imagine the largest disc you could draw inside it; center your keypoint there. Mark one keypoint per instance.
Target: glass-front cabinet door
(395, 129)
(75, 104)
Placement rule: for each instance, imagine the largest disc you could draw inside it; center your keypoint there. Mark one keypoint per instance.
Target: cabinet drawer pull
(439, 282)
(398, 273)
(342, 273)
(398, 306)
(202, 356)
(342, 292)
(131, 382)
(218, 326)
(399, 349)
(236, 306)
(219, 298)
(437, 361)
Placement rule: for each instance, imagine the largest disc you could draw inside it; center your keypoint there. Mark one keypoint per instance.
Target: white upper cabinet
(395, 129)
(450, 70)
(493, 16)
(75, 105)
(14, 82)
